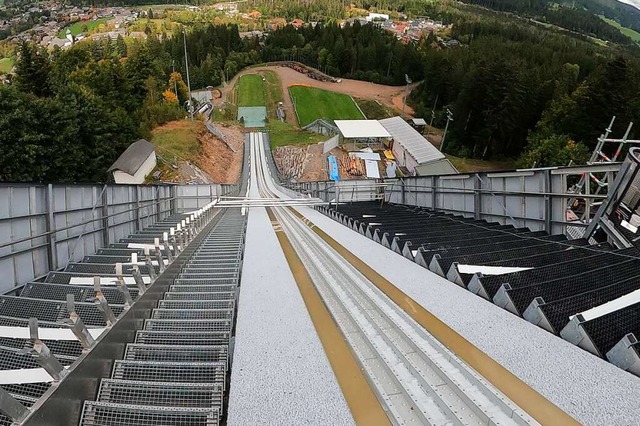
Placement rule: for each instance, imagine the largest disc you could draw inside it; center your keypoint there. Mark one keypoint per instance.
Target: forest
(515, 91)
(355, 51)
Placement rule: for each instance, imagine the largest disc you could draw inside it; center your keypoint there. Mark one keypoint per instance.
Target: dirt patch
(316, 167)
(220, 162)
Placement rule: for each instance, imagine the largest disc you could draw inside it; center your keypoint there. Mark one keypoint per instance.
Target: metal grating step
(105, 268)
(171, 353)
(81, 293)
(206, 281)
(96, 258)
(67, 348)
(203, 288)
(29, 390)
(217, 295)
(118, 252)
(192, 314)
(592, 260)
(12, 360)
(53, 310)
(196, 304)
(185, 338)
(106, 414)
(181, 372)
(215, 325)
(574, 284)
(161, 394)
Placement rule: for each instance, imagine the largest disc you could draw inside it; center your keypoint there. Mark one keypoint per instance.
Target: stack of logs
(290, 161)
(352, 166)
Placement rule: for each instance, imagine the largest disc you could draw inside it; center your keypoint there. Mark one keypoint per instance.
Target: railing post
(434, 195)
(122, 286)
(137, 211)
(173, 202)
(77, 326)
(102, 304)
(403, 196)
(43, 355)
(50, 229)
(11, 407)
(156, 198)
(105, 217)
(477, 197)
(548, 210)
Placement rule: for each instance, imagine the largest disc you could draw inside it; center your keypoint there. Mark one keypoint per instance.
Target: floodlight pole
(186, 63)
(449, 118)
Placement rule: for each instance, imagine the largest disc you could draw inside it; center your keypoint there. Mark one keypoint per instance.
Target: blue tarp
(333, 168)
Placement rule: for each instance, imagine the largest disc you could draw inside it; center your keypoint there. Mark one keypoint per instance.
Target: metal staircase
(176, 370)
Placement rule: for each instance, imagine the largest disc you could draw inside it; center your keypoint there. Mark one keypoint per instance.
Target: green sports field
(251, 91)
(312, 103)
(6, 64)
(77, 27)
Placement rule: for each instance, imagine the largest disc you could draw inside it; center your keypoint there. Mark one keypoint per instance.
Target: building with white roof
(361, 129)
(413, 151)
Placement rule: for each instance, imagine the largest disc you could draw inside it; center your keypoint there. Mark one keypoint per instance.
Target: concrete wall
(149, 164)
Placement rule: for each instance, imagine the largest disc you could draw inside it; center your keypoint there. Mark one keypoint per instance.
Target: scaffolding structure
(598, 156)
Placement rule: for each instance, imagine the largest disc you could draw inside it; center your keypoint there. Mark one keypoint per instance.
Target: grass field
(374, 110)
(312, 103)
(633, 35)
(250, 91)
(273, 92)
(175, 141)
(76, 28)
(178, 139)
(6, 64)
(281, 134)
(468, 165)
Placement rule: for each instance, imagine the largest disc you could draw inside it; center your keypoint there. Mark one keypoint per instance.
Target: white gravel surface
(280, 373)
(590, 389)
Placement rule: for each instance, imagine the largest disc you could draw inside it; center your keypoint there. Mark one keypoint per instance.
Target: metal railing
(534, 198)
(44, 227)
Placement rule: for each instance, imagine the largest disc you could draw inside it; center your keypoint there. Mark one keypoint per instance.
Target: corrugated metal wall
(525, 198)
(43, 227)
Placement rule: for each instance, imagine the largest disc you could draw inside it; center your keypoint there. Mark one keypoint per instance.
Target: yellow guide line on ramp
(363, 403)
(536, 405)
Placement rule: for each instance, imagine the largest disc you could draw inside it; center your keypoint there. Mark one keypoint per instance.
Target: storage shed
(135, 163)
(413, 151)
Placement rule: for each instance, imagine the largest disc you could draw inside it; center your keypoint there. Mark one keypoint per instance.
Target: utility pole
(433, 110)
(175, 82)
(186, 63)
(449, 118)
(406, 91)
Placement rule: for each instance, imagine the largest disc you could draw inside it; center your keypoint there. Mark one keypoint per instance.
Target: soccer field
(6, 64)
(312, 103)
(250, 91)
(77, 27)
